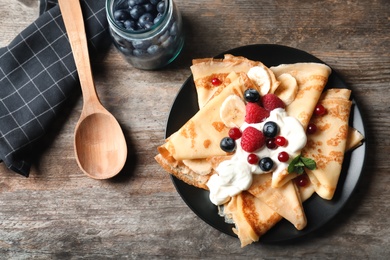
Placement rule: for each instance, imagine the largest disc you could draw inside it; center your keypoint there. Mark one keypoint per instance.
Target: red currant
(235, 133)
(302, 180)
(252, 158)
(280, 141)
(311, 129)
(320, 110)
(283, 157)
(216, 82)
(270, 143)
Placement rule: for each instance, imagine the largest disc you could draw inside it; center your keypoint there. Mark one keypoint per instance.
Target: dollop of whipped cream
(235, 175)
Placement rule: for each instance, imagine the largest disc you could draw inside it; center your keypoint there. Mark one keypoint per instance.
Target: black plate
(318, 211)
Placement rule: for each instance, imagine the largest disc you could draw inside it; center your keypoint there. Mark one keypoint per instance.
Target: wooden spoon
(99, 142)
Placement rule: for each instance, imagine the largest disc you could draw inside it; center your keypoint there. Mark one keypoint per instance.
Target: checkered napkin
(37, 74)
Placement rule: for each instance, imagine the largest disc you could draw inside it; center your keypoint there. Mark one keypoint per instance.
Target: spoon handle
(74, 24)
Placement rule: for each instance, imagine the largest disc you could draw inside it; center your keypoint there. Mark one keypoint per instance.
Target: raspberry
(252, 139)
(255, 113)
(272, 101)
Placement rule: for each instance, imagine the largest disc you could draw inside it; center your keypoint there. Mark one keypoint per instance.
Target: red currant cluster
(318, 111)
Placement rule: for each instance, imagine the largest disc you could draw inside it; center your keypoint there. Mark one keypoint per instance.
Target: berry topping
(270, 143)
(320, 110)
(270, 129)
(272, 101)
(283, 157)
(216, 82)
(251, 95)
(252, 158)
(252, 139)
(280, 141)
(138, 15)
(266, 164)
(311, 129)
(235, 133)
(255, 113)
(301, 180)
(228, 144)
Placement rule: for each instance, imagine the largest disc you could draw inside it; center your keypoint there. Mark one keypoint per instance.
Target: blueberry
(130, 25)
(146, 21)
(149, 8)
(154, 49)
(251, 95)
(174, 29)
(228, 144)
(121, 15)
(270, 129)
(266, 164)
(161, 7)
(137, 11)
(158, 18)
(131, 3)
(140, 2)
(139, 44)
(139, 52)
(154, 2)
(163, 37)
(168, 42)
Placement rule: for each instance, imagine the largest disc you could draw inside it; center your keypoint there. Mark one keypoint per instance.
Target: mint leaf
(309, 163)
(298, 163)
(291, 166)
(299, 170)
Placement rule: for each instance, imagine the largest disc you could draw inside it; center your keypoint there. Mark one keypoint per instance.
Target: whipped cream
(235, 175)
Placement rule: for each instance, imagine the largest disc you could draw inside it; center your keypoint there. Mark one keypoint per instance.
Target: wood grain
(59, 213)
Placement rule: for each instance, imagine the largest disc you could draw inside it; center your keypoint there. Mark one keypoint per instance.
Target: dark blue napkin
(37, 75)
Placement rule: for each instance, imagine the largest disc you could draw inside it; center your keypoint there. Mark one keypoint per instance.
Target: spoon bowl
(99, 143)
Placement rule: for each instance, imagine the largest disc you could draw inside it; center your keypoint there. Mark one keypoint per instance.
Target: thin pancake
(328, 144)
(311, 79)
(204, 70)
(200, 136)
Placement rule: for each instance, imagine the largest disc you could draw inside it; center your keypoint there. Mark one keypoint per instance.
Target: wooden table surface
(60, 213)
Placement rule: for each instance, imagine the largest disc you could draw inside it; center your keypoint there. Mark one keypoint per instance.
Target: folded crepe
(253, 218)
(200, 136)
(328, 144)
(311, 79)
(205, 70)
(285, 200)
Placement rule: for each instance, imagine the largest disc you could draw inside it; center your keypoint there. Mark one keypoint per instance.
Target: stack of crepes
(193, 153)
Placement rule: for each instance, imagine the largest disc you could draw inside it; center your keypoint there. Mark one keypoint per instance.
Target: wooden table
(60, 213)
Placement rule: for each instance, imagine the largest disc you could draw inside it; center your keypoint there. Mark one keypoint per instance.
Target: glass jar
(153, 44)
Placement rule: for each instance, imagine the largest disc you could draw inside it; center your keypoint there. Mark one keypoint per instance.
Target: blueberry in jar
(131, 3)
(228, 144)
(161, 7)
(149, 8)
(146, 21)
(121, 15)
(270, 129)
(150, 29)
(137, 11)
(266, 164)
(130, 25)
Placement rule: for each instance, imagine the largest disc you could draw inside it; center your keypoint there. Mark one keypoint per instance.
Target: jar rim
(117, 28)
